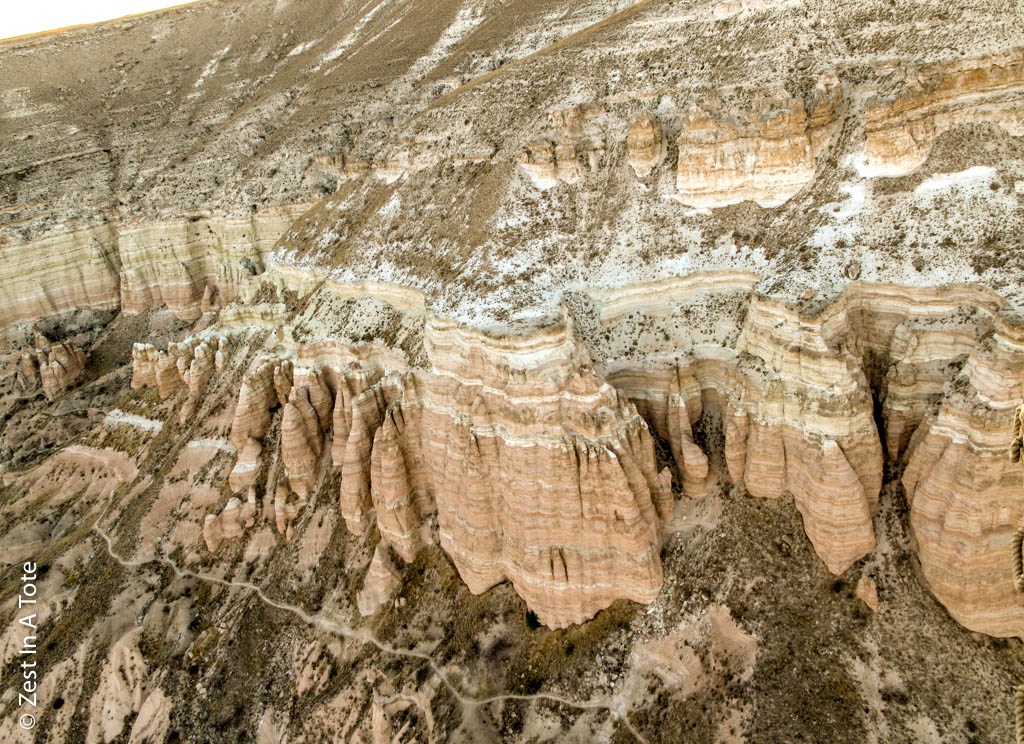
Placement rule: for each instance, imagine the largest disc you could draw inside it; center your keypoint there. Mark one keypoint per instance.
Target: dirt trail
(613, 705)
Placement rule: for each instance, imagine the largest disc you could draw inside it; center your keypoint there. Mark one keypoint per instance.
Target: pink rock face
(301, 440)
(168, 378)
(213, 532)
(737, 428)
(191, 363)
(766, 153)
(197, 375)
(543, 473)
(283, 381)
(365, 416)
(765, 470)
(28, 371)
(691, 462)
(230, 519)
(286, 508)
(830, 496)
(342, 419)
(546, 480)
(965, 492)
(144, 359)
(247, 513)
(248, 466)
(211, 300)
(255, 399)
(397, 516)
(320, 396)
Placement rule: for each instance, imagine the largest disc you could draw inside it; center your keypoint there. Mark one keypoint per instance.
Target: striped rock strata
(931, 99)
(535, 454)
(191, 264)
(52, 366)
(965, 493)
(562, 154)
(766, 154)
(190, 363)
(795, 410)
(381, 579)
(646, 144)
(796, 403)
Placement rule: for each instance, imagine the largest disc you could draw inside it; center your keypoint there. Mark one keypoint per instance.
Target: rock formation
(397, 515)
(51, 365)
(524, 492)
(380, 581)
(646, 144)
(964, 492)
(307, 415)
(213, 532)
(547, 163)
(600, 301)
(233, 520)
(562, 155)
(766, 154)
(182, 263)
(286, 509)
(933, 98)
(190, 364)
(197, 374)
(867, 591)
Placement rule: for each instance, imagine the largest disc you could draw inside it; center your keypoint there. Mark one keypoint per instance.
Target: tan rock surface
(964, 491)
(122, 690)
(52, 365)
(646, 144)
(867, 591)
(380, 581)
(766, 154)
(315, 221)
(937, 97)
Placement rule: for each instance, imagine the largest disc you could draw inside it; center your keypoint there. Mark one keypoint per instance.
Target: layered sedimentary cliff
(536, 451)
(362, 339)
(536, 454)
(766, 154)
(927, 100)
(190, 264)
(52, 367)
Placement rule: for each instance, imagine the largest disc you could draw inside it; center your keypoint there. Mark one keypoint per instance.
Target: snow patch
(979, 175)
(117, 416)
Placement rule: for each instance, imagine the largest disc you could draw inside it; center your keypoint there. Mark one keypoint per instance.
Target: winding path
(613, 706)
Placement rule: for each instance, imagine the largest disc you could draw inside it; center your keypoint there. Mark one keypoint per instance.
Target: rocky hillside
(515, 370)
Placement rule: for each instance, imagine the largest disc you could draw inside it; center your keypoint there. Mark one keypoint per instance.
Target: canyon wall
(533, 458)
(502, 345)
(765, 154)
(181, 263)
